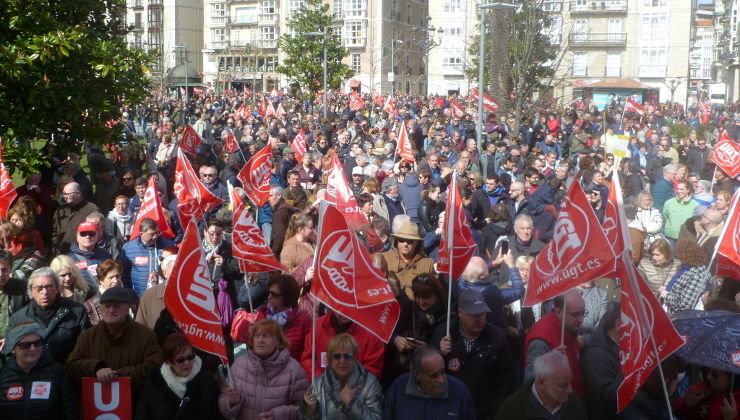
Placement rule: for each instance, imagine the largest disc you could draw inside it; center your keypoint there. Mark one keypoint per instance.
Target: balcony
(270, 19)
(243, 20)
(651, 70)
(219, 20)
(138, 4)
(219, 45)
(580, 7)
(617, 39)
(267, 43)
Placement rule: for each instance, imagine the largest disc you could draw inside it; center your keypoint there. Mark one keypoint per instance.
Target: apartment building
(459, 22)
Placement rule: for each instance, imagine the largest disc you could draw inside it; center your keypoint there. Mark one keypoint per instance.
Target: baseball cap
(87, 227)
(471, 301)
(446, 143)
(357, 171)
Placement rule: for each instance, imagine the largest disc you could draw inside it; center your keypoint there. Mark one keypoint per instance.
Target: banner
(457, 110)
(299, 145)
(189, 141)
(615, 221)
(726, 155)
(339, 193)
(643, 320)
(576, 253)
(198, 91)
(100, 401)
(280, 111)
(346, 279)
(189, 297)
(242, 112)
(7, 190)
(194, 198)
(255, 176)
(248, 244)
(488, 102)
(151, 208)
(617, 144)
(247, 91)
(390, 106)
(270, 110)
(403, 148)
(631, 106)
(231, 145)
(355, 103)
(456, 235)
(728, 246)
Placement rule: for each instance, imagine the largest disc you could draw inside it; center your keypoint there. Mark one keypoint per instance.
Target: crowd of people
(81, 297)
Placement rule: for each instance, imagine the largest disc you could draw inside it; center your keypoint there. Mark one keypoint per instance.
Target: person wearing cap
(407, 260)
(593, 192)
(62, 319)
(477, 353)
(388, 203)
(117, 346)
(32, 384)
(447, 152)
(67, 217)
(86, 253)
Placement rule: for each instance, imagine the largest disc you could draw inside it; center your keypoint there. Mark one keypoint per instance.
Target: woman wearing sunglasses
(32, 384)
(180, 388)
(346, 390)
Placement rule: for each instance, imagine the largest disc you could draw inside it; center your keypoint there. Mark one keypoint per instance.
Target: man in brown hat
(407, 260)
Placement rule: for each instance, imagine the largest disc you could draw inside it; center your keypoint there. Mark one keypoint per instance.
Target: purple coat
(274, 384)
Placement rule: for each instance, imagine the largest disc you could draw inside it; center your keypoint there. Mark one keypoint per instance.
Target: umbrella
(713, 338)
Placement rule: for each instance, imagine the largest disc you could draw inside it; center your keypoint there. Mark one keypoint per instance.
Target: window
(355, 8)
(453, 31)
(337, 31)
(613, 64)
(356, 63)
(615, 29)
(452, 6)
(552, 5)
(219, 34)
(267, 33)
(453, 62)
(245, 14)
(338, 9)
(294, 5)
(354, 33)
(218, 9)
(580, 60)
(654, 27)
(653, 61)
(580, 27)
(267, 7)
(155, 18)
(555, 30)
(654, 3)
(137, 20)
(580, 4)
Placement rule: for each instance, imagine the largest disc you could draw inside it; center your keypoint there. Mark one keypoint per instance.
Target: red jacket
(370, 354)
(548, 329)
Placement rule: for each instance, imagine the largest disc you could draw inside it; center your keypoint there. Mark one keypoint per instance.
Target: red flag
(198, 91)
(355, 103)
(615, 226)
(151, 208)
(299, 145)
(111, 400)
(189, 297)
(242, 112)
(643, 320)
(456, 235)
(576, 253)
(726, 155)
(339, 193)
(378, 99)
(189, 141)
(274, 93)
(231, 145)
(403, 148)
(346, 279)
(488, 102)
(280, 111)
(248, 244)
(182, 92)
(255, 176)
(263, 108)
(270, 110)
(728, 247)
(195, 199)
(390, 106)
(247, 91)
(457, 109)
(7, 191)
(633, 106)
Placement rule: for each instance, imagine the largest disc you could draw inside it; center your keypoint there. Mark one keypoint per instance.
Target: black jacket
(62, 330)
(158, 402)
(487, 370)
(429, 212)
(16, 386)
(602, 375)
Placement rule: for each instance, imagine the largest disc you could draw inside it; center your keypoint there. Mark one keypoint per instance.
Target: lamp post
(185, 62)
(426, 43)
(322, 34)
(481, 58)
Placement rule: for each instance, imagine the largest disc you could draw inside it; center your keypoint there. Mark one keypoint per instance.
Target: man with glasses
(62, 319)
(68, 217)
(569, 313)
(86, 253)
(116, 347)
(698, 159)
(209, 178)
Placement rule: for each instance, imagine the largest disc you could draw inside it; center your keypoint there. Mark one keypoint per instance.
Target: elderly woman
(300, 241)
(657, 265)
(34, 385)
(74, 286)
(648, 217)
(346, 390)
(109, 276)
(688, 284)
(180, 388)
(266, 382)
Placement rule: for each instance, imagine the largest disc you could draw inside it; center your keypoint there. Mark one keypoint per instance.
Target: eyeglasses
(340, 356)
(128, 178)
(188, 358)
(579, 314)
(207, 175)
(65, 194)
(86, 234)
(274, 294)
(25, 345)
(41, 288)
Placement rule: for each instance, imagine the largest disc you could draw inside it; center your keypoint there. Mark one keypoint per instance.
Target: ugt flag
(152, 208)
(456, 236)
(255, 176)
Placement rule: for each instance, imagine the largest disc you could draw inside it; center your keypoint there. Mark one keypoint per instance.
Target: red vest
(548, 329)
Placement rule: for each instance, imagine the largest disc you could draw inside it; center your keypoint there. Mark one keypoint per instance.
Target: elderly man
(549, 396)
(478, 354)
(663, 189)
(388, 204)
(708, 228)
(87, 254)
(209, 178)
(545, 335)
(408, 259)
(68, 217)
(140, 256)
(62, 319)
(521, 243)
(116, 347)
(427, 392)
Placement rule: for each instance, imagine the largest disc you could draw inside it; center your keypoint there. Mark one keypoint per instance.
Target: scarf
(208, 249)
(121, 223)
(179, 384)
(46, 314)
(281, 317)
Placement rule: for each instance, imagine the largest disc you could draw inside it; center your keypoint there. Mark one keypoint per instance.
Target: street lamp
(323, 34)
(427, 41)
(481, 58)
(185, 62)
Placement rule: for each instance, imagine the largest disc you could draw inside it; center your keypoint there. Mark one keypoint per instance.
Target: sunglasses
(340, 356)
(25, 345)
(188, 358)
(128, 178)
(405, 241)
(86, 234)
(273, 294)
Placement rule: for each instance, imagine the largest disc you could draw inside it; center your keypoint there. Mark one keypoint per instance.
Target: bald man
(708, 228)
(67, 217)
(476, 276)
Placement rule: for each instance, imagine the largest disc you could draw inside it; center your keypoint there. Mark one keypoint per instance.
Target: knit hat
(15, 335)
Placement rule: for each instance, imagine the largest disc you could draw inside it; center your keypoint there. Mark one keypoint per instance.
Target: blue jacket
(404, 401)
(139, 261)
(88, 261)
(496, 298)
(662, 191)
(410, 192)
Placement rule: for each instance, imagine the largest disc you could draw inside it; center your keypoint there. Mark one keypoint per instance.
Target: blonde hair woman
(74, 286)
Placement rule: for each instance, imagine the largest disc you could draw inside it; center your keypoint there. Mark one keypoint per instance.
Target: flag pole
(249, 292)
(448, 227)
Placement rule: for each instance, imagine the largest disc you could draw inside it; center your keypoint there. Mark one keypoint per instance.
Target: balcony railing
(613, 72)
(267, 19)
(219, 20)
(267, 43)
(244, 20)
(600, 6)
(651, 70)
(598, 39)
(219, 45)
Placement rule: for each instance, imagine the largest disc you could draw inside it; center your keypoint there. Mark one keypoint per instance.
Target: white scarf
(179, 384)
